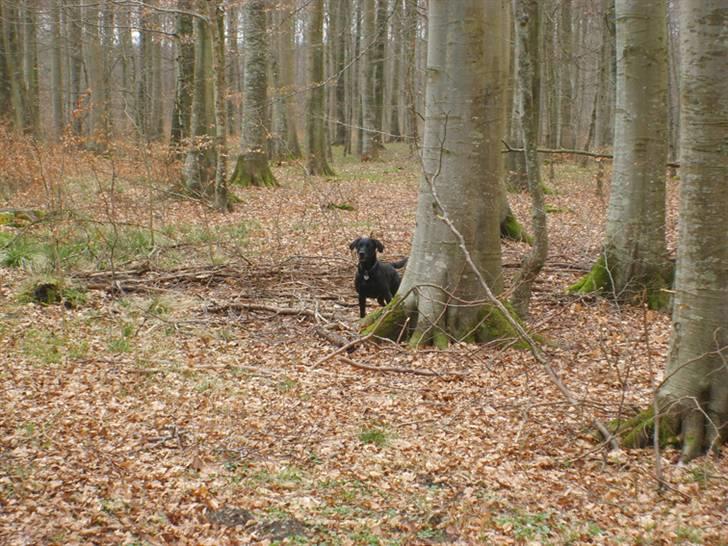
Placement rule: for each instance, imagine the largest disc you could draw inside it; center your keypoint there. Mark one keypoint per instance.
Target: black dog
(374, 279)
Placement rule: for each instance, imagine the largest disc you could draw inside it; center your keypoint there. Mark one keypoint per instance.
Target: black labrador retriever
(374, 279)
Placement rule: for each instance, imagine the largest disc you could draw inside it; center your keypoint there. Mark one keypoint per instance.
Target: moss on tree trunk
(512, 229)
(253, 171)
(639, 431)
(396, 321)
(649, 288)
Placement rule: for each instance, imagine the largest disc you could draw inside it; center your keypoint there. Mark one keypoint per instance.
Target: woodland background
(173, 386)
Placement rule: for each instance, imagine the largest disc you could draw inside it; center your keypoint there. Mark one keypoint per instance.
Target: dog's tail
(400, 264)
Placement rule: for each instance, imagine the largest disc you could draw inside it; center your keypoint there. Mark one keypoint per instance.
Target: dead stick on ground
(390, 369)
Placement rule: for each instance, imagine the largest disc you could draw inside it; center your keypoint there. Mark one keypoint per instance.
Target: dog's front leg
(362, 306)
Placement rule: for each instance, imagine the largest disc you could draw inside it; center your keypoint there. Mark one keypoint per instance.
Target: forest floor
(182, 400)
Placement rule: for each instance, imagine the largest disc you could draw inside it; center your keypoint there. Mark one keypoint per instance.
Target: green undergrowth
(50, 290)
(79, 245)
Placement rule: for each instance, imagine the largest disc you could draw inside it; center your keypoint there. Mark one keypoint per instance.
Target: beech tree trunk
(182, 110)
(9, 19)
(200, 159)
(315, 115)
(526, 14)
(464, 121)
(252, 167)
(694, 394)
(56, 88)
(369, 148)
(219, 194)
(634, 260)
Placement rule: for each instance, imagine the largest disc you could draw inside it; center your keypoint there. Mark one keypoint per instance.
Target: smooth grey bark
(200, 159)
(394, 130)
(252, 164)
(30, 64)
(516, 174)
(526, 15)
(694, 394)
(142, 81)
(340, 50)
(566, 64)
(378, 49)
(216, 16)
(287, 48)
(185, 71)
(410, 62)
(464, 120)
(634, 262)
(126, 60)
(56, 87)
(316, 163)
(369, 148)
(233, 102)
(75, 69)
(9, 19)
(604, 136)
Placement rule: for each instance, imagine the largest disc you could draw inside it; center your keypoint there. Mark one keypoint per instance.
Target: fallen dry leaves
(187, 411)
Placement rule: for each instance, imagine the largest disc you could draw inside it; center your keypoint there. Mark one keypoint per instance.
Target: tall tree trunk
(56, 88)
(607, 79)
(200, 160)
(526, 14)
(287, 84)
(5, 95)
(395, 133)
(517, 173)
(182, 110)
(635, 253)
(695, 391)
(340, 40)
(127, 61)
(370, 150)
(143, 76)
(233, 101)
(464, 120)
(315, 122)
(30, 61)
(410, 48)
(77, 105)
(379, 66)
(9, 19)
(252, 167)
(566, 64)
(156, 85)
(219, 194)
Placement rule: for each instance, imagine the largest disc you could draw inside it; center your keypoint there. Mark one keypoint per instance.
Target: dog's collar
(366, 273)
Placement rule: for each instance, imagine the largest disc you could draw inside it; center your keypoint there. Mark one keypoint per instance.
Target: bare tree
(695, 390)
(441, 296)
(315, 122)
(635, 254)
(252, 167)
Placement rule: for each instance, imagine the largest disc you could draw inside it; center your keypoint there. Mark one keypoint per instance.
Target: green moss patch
(639, 431)
(597, 280)
(512, 229)
(386, 322)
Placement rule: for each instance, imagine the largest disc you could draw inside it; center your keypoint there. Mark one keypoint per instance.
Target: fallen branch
(595, 155)
(260, 307)
(389, 369)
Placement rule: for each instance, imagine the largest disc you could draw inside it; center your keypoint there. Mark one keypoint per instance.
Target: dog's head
(366, 249)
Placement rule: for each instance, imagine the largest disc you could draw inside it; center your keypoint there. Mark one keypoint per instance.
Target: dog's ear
(354, 243)
(379, 245)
